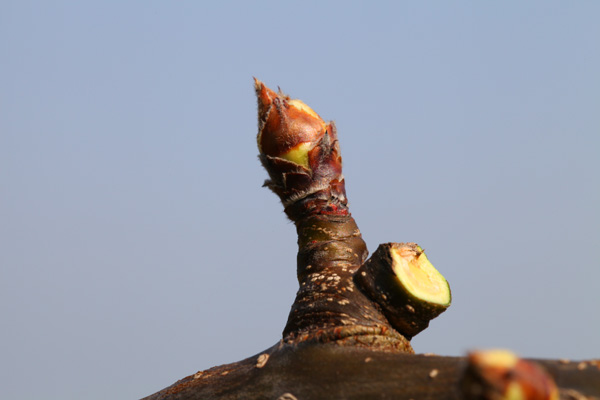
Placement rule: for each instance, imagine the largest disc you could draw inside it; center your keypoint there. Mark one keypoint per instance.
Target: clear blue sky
(137, 245)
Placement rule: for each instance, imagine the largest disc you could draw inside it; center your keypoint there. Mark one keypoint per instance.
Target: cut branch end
(407, 287)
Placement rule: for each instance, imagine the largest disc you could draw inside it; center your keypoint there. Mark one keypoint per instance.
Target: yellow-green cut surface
(419, 277)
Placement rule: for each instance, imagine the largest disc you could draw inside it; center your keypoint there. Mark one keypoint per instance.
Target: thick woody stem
(328, 306)
(301, 154)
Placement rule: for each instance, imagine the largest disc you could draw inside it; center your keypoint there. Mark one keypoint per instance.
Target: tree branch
(352, 341)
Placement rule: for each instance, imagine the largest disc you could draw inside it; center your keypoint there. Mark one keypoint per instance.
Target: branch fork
(342, 295)
(349, 330)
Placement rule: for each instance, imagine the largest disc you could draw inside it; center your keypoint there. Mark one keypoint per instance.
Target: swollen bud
(501, 375)
(301, 154)
(288, 128)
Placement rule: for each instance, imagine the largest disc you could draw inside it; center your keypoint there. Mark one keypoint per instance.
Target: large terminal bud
(301, 153)
(288, 128)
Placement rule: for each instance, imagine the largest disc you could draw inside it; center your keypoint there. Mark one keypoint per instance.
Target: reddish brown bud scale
(501, 375)
(301, 154)
(285, 123)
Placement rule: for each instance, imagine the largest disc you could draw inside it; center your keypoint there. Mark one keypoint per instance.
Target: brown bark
(329, 371)
(302, 156)
(340, 340)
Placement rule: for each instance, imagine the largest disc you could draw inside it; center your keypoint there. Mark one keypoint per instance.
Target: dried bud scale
(301, 154)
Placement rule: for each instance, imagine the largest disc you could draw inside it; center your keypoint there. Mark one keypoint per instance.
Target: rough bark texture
(302, 156)
(338, 342)
(329, 371)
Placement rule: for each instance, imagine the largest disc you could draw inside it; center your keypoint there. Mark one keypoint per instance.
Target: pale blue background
(137, 245)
